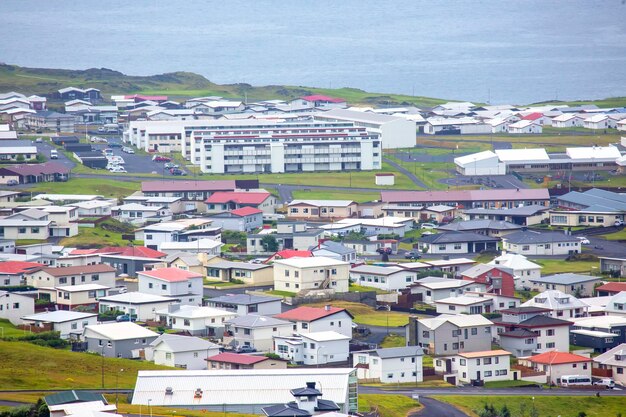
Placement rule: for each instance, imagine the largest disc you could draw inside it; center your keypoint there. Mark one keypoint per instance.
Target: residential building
(256, 331)
(173, 204)
(613, 360)
(313, 348)
(136, 304)
(245, 219)
(91, 95)
(193, 193)
(244, 304)
(493, 228)
(497, 279)
(454, 266)
(197, 321)
(484, 366)
(221, 201)
(456, 243)
(431, 289)
(316, 273)
(558, 364)
(18, 151)
(210, 247)
(464, 304)
(370, 227)
(138, 214)
(100, 274)
(446, 335)
(310, 319)
(334, 250)
(12, 273)
(227, 360)
(574, 284)
(24, 228)
(536, 334)
(616, 305)
(93, 208)
(14, 306)
(530, 242)
(183, 230)
(49, 120)
(600, 333)
(172, 282)
(69, 297)
(613, 266)
(69, 324)
(390, 365)
(187, 352)
(118, 340)
(608, 289)
(321, 209)
(561, 305)
(524, 216)
(494, 199)
(252, 274)
(388, 278)
(481, 163)
(523, 269)
(525, 127)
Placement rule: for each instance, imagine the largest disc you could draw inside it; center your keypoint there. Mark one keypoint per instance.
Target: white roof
(356, 116)
(565, 117)
(58, 316)
(442, 121)
(178, 343)
(596, 118)
(136, 207)
(533, 154)
(118, 331)
(447, 262)
(137, 298)
(195, 312)
(92, 204)
(460, 320)
(438, 283)
(67, 197)
(522, 124)
(387, 221)
(463, 300)
(600, 321)
(480, 156)
(555, 300)
(594, 152)
(593, 333)
(200, 243)
(244, 386)
(515, 262)
(18, 149)
(327, 336)
(324, 203)
(82, 287)
(312, 262)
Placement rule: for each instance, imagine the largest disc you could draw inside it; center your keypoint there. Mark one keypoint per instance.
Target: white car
(128, 150)
(427, 226)
(583, 240)
(619, 222)
(605, 382)
(117, 168)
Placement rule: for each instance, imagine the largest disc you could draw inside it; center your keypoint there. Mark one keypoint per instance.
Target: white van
(54, 154)
(575, 380)
(605, 382)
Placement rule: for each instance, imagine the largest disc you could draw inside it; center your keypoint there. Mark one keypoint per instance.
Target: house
(530, 242)
(69, 297)
(493, 228)
(244, 219)
(321, 209)
(598, 121)
(308, 403)
(195, 320)
(209, 247)
(608, 289)
(436, 214)
(49, 120)
(613, 266)
(72, 275)
(311, 319)
(390, 365)
(172, 282)
(523, 269)
(25, 228)
(138, 214)
(14, 306)
(221, 201)
(370, 227)
(187, 352)
(316, 273)
(118, 340)
(568, 120)
(600, 333)
(137, 304)
(464, 304)
(371, 247)
(388, 278)
(18, 151)
(525, 127)
(561, 305)
(193, 193)
(558, 364)
(91, 95)
(256, 331)
(12, 273)
(193, 262)
(614, 361)
(454, 266)
(244, 304)
(431, 289)
(248, 273)
(173, 204)
(483, 366)
(446, 335)
(69, 324)
(568, 283)
(494, 199)
(76, 402)
(288, 235)
(319, 100)
(313, 348)
(481, 163)
(93, 208)
(255, 388)
(536, 334)
(456, 243)
(227, 360)
(178, 231)
(497, 279)
(616, 305)
(524, 216)
(335, 250)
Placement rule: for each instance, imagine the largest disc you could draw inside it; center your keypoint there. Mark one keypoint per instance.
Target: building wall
(519, 347)
(393, 282)
(552, 338)
(261, 338)
(448, 248)
(555, 372)
(142, 311)
(390, 370)
(585, 288)
(563, 218)
(14, 306)
(540, 249)
(26, 232)
(441, 341)
(325, 352)
(117, 348)
(475, 368)
(191, 360)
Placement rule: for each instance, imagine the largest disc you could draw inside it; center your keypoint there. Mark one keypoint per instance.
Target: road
(486, 392)
(434, 408)
(406, 172)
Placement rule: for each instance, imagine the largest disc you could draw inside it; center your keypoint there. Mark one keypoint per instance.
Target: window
(283, 349)
(305, 325)
(462, 362)
(312, 345)
(150, 285)
(164, 286)
(455, 346)
(550, 345)
(425, 334)
(487, 361)
(488, 374)
(474, 331)
(74, 326)
(246, 331)
(186, 322)
(550, 332)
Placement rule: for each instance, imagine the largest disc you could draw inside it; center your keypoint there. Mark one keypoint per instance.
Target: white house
(256, 331)
(118, 340)
(14, 306)
(390, 278)
(464, 304)
(208, 246)
(311, 319)
(244, 304)
(530, 242)
(525, 127)
(93, 207)
(315, 273)
(172, 282)
(568, 120)
(69, 324)
(316, 348)
(481, 163)
(557, 364)
(391, 365)
(616, 305)
(69, 297)
(72, 275)
(187, 352)
(614, 360)
(487, 366)
(523, 269)
(561, 305)
(598, 121)
(198, 321)
(431, 289)
(143, 306)
(138, 214)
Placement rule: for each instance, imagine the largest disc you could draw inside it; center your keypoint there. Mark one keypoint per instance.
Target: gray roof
(244, 299)
(333, 247)
(533, 237)
(397, 352)
(256, 321)
(480, 224)
(455, 237)
(565, 279)
(517, 211)
(238, 265)
(480, 269)
(377, 270)
(183, 343)
(308, 232)
(540, 320)
(596, 197)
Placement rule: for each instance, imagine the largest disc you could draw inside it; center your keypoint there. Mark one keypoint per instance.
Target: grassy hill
(28, 366)
(45, 81)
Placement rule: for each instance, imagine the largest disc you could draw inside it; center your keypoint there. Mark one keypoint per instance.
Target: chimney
(327, 308)
(311, 384)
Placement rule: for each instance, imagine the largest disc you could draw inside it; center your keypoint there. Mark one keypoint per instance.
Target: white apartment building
(391, 365)
(489, 365)
(315, 273)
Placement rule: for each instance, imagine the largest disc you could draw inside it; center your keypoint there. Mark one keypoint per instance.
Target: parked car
(245, 349)
(128, 150)
(583, 240)
(176, 171)
(118, 168)
(39, 140)
(161, 158)
(412, 255)
(428, 226)
(126, 317)
(101, 129)
(171, 165)
(608, 383)
(12, 182)
(54, 154)
(388, 251)
(619, 222)
(115, 145)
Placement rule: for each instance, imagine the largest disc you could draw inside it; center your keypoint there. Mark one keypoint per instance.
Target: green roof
(68, 397)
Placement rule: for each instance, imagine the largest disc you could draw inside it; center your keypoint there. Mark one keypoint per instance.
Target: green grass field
(108, 233)
(359, 197)
(9, 330)
(393, 340)
(621, 235)
(104, 187)
(547, 406)
(364, 314)
(388, 405)
(27, 366)
(557, 266)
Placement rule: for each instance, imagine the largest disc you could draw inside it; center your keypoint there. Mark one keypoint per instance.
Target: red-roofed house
(289, 253)
(557, 364)
(231, 200)
(610, 289)
(497, 280)
(538, 118)
(138, 251)
(312, 319)
(172, 282)
(13, 272)
(321, 101)
(228, 360)
(244, 219)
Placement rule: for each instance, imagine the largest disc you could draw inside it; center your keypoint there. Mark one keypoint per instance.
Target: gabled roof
(321, 203)
(459, 320)
(484, 353)
(138, 251)
(515, 262)
(543, 321)
(118, 331)
(480, 224)
(285, 410)
(237, 358)
(397, 352)
(477, 270)
(526, 237)
(17, 267)
(292, 253)
(612, 287)
(558, 358)
(519, 334)
(78, 270)
(244, 299)
(178, 343)
(565, 279)
(238, 197)
(165, 186)
(58, 316)
(610, 356)
(254, 321)
(555, 300)
(246, 211)
(170, 274)
(68, 397)
(309, 314)
(456, 237)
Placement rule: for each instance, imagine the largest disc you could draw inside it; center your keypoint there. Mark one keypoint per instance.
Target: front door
(478, 375)
(448, 365)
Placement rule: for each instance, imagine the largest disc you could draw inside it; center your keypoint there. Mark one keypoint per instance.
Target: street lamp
(117, 374)
(150, 406)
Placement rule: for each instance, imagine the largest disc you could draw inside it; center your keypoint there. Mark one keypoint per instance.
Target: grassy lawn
(359, 197)
(364, 314)
(99, 186)
(281, 293)
(393, 340)
(107, 233)
(9, 330)
(621, 235)
(362, 288)
(62, 369)
(219, 283)
(557, 266)
(388, 405)
(545, 405)
(509, 384)
(427, 172)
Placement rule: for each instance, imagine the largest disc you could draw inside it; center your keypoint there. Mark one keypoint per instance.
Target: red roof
(246, 211)
(612, 287)
(320, 97)
(170, 274)
(532, 116)
(17, 267)
(170, 186)
(460, 196)
(237, 358)
(238, 197)
(558, 358)
(310, 313)
(140, 97)
(292, 253)
(138, 251)
(83, 251)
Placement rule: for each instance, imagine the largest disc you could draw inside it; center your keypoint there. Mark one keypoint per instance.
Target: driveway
(434, 408)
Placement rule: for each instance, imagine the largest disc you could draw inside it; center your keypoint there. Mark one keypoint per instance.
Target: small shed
(385, 178)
